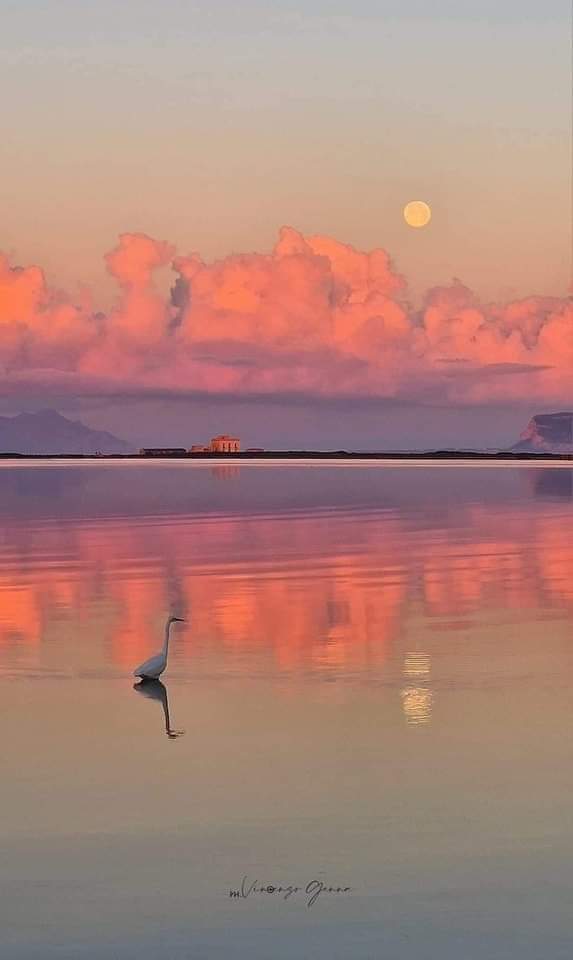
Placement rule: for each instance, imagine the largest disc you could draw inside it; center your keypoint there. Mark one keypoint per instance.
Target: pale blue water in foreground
(372, 691)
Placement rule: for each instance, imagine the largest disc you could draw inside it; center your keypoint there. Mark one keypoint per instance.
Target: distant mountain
(48, 432)
(547, 433)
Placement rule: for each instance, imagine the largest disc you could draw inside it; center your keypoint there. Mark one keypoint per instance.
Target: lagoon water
(372, 690)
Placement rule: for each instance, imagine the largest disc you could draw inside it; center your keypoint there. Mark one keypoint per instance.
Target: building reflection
(225, 471)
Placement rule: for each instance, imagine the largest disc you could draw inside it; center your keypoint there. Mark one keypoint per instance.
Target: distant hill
(547, 433)
(48, 432)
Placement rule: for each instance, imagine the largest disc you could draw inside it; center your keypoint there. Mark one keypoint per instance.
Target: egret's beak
(179, 619)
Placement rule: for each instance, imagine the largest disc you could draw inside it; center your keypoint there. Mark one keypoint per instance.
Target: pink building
(225, 444)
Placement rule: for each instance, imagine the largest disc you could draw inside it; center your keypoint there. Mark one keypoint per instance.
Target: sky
(256, 159)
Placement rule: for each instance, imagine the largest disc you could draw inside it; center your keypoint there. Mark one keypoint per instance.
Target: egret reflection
(156, 690)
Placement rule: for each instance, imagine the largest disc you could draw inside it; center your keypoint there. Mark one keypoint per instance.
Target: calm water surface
(372, 690)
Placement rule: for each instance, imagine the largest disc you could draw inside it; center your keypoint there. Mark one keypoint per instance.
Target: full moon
(417, 213)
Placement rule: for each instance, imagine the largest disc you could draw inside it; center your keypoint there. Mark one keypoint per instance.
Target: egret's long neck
(166, 641)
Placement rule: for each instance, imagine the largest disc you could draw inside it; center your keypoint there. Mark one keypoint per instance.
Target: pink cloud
(314, 316)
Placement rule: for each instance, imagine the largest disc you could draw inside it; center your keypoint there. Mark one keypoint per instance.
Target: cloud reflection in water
(324, 592)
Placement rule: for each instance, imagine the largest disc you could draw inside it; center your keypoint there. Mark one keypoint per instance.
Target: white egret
(154, 667)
